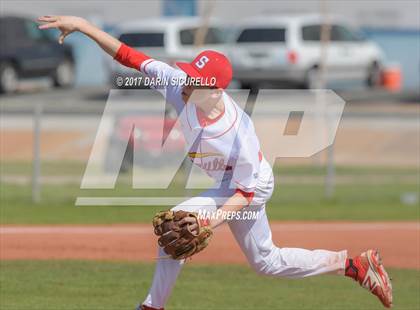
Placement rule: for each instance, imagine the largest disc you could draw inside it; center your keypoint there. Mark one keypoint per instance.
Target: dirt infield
(398, 242)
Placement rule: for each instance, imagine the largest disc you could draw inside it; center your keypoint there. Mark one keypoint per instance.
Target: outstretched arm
(70, 24)
(122, 53)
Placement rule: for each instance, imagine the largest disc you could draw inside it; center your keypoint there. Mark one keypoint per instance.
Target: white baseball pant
(254, 238)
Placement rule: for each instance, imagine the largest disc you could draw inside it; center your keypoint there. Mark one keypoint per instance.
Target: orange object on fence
(392, 78)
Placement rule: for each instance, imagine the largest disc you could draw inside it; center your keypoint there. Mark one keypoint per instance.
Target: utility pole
(322, 81)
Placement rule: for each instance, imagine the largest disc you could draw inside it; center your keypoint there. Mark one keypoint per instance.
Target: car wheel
(312, 78)
(9, 80)
(373, 78)
(64, 74)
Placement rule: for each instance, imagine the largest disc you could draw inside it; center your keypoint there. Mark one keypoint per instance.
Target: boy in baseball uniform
(223, 143)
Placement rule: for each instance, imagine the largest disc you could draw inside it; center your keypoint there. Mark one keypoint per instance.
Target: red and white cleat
(144, 307)
(368, 270)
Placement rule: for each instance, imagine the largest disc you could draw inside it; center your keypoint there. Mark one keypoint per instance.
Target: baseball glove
(178, 241)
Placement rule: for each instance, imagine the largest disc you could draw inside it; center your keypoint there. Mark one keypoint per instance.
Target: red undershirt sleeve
(130, 57)
(248, 195)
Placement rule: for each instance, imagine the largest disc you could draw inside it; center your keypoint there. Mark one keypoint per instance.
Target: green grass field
(93, 285)
(90, 285)
(359, 202)
(78, 168)
(359, 198)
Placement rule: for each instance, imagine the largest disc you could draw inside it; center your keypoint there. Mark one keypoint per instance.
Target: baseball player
(223, 143)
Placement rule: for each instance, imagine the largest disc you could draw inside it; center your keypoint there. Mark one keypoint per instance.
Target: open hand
(66, 24)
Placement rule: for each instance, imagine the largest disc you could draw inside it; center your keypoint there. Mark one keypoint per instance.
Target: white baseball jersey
(226, 149)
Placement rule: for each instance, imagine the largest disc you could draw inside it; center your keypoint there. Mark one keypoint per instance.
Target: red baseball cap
(207, 65)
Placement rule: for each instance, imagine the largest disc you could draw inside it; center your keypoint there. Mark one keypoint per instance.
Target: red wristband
(204, 222)
(129, 57)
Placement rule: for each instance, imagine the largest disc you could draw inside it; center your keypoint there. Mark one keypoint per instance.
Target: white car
(288, 49)
(168, 39)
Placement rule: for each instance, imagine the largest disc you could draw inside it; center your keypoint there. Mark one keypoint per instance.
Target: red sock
(354, 269)
(351, 270)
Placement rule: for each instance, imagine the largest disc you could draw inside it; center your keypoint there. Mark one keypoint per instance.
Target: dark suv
(28, 52)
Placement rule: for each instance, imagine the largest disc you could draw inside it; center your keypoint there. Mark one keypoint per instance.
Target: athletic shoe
(144, 307)
(368, 270)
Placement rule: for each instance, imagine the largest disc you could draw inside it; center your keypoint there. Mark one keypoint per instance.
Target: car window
(33, 32)
(344, 34)
(311, 33)
(252, 35)
(213, 36)
(3, 30)
(15, 30)
(143, 39)
(338, 33)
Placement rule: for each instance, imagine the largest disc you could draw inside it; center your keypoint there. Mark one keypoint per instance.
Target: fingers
(187, 220)
(51, 21)
(62, 37)
(48, 26)
(48, 18)
(193, 228)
